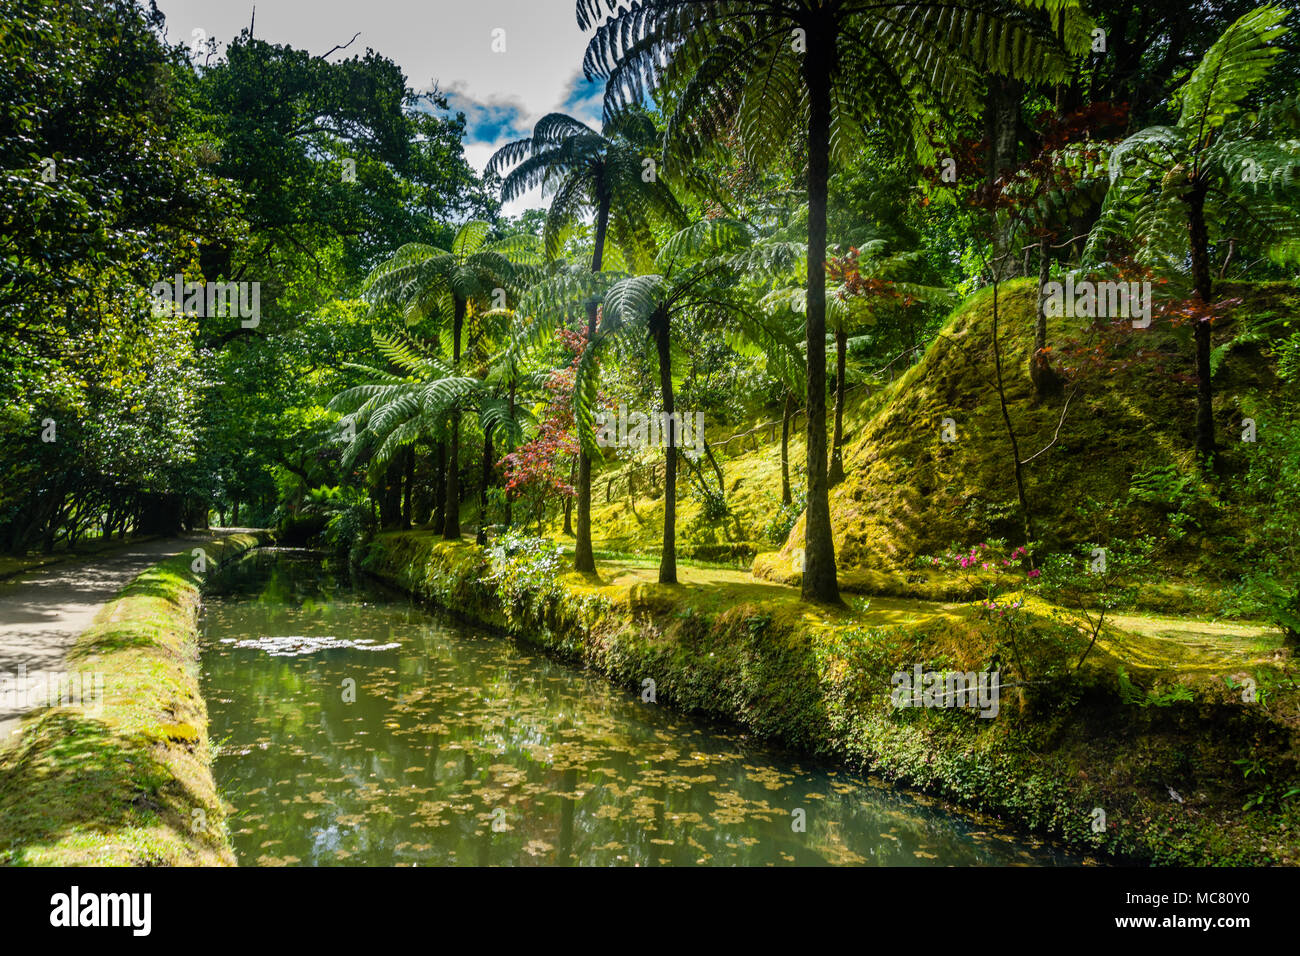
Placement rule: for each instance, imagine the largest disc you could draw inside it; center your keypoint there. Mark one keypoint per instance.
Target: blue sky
(444, 42)
(496, 120)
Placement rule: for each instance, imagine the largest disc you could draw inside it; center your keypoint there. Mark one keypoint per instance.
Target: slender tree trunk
(668, 557)
(1017, 468)
(390, 505)
(510, 446)
(483, 487)
(1002, 129)
(408, 483)
(1200, 245)
(785, 449)
(451, 518)
(836, 473)
(717, 469)
(1044, 378)
(568, 505)
(819, 576)
(439, 485)
(451, 506)
(583, 558)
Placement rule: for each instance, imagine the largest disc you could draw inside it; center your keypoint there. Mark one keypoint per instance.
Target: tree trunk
(451, 504)
(568, 506)
(836, 473)
(668, 557)
(408, 482)
(819, 577)
(451, 516)
(390, 505)
(1002, 129)
(483, 488)
(583, 558)
(510, 446)
(785, 450)
(1017, 468)
(717, 469)
(1200, 244)
(1044, 378)
(439, 485)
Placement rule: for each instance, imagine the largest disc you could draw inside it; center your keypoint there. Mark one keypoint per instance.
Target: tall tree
(390, 412)
(697, 276)
(834, 68)
(435, 284)
(1219, 171)
(611, 175)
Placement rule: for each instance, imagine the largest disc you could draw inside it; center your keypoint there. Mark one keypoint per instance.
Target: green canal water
(356, 728)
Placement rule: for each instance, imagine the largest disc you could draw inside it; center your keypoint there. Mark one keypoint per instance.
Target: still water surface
(357, 728)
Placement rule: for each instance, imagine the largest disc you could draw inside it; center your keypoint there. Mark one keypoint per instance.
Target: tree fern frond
(1233, 66)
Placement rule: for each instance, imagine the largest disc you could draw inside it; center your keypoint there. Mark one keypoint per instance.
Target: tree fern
(832, 69)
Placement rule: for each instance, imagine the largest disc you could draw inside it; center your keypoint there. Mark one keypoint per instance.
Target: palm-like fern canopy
(1243, 168)
(897, 67)
(427, 282)
(581, 170)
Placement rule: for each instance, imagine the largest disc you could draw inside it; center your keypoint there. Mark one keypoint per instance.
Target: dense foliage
(775, 187)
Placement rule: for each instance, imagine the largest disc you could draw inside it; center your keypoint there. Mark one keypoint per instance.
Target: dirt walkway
(43, 612)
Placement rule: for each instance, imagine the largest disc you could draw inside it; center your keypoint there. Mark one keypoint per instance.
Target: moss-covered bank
(1160, 756)
(127, 782)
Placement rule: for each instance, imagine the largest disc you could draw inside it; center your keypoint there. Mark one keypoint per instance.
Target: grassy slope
(750, 652)
(907, 493)
(131, 783)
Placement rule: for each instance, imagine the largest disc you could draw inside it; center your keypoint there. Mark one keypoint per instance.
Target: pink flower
(1034, 573)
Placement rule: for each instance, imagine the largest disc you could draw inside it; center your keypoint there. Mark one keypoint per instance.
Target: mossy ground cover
(633, 523)
(907, 493)
(1163, 749)
(129, 782)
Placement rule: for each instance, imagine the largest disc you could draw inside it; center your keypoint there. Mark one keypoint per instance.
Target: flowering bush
(993, 610)
(986, 565)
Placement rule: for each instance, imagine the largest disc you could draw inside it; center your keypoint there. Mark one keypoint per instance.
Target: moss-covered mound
(1131, 413)
(126, 781)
